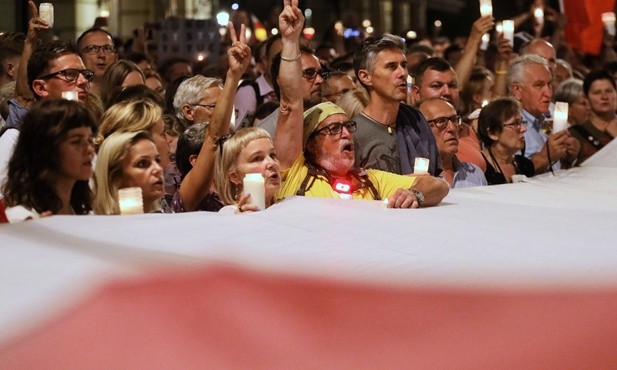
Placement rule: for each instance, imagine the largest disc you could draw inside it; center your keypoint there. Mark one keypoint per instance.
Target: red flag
(584, 30)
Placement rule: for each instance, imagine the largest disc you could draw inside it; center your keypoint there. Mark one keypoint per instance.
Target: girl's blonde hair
(108, 171)
(129, 116)
(227, 161)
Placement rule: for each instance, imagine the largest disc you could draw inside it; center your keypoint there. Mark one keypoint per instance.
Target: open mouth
(348, 147)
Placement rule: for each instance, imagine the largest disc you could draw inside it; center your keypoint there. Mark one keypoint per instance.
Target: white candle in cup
(409, 83)
(560, 117)
(46, 11)
(254, 184)
(420, 165)
(70, 95)
(538, 14)
(609, 22)
(508, 30)
(485, 39)
(130, 201)
(486, 8)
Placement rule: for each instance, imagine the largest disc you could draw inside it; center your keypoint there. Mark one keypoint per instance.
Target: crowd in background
(345, 117)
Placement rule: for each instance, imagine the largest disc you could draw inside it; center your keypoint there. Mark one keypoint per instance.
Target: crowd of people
(80, 122)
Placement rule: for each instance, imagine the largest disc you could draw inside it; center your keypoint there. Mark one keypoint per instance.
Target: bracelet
(297, 57)
(501, 72)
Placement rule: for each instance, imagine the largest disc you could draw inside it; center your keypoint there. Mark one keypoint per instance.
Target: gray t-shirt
(375, 146)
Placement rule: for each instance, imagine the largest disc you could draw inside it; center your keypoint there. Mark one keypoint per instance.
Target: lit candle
(420, 165)
(130, 201)
(499, 28)
(254, 184)
(486, 8)
(484, 103)
(508, 30)
(485, 39)
(70, 95)
(609, 22)
(409, 83)
(46, 11)
(538, 13)
(560, 117)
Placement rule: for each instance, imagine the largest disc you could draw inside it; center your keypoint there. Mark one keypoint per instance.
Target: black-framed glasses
(442, 122)
(71, 74)
(516, 124)
(207, 106)
(94, 49)
(311, 73)
(336, 128)
(221, 141)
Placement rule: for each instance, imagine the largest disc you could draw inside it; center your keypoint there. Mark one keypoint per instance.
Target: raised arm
(198, 181)
(288, 136)
(500, 88)
(465, 65)
(23, 94)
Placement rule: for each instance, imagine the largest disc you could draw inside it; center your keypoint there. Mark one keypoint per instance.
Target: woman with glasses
(501, 128)
(52, 162)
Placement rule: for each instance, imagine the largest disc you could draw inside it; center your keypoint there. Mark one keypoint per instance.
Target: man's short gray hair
(518, 68)
(191, 91)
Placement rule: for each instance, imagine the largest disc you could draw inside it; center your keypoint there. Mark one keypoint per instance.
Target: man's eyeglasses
(94, 49)
(442, 122)
(311, 73)
(207, 106)
(71, 74)
(336, 128)
(517, 124)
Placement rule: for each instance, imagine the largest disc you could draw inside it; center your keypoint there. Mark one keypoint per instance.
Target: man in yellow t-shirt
(326, 167)
(316, 152)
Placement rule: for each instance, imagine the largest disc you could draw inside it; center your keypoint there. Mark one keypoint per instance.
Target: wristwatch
(419, 196)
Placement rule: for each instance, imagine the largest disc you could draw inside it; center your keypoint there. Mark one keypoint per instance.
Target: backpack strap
(314, 172)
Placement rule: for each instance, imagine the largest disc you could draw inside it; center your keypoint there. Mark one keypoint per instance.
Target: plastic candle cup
(254, 184)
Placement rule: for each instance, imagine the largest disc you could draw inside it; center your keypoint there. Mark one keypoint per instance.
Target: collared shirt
(535, 137)
(467, 175)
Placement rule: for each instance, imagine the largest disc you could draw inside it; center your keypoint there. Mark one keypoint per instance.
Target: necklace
(498, 166)
(390, 131)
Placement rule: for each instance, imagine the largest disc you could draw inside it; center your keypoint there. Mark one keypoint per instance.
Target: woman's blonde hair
(228, 161)
(353, 102)
(108, 171)
(129, 116)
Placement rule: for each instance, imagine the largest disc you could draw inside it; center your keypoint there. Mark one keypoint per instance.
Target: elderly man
(196, 98)
(530, 82)
(390, 133)
(317, 157)
(445, 123)
(96, 47)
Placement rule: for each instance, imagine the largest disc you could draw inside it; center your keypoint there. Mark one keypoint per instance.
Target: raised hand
(482, 25)
(291, 20)
(36, 23)
(239, 54)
